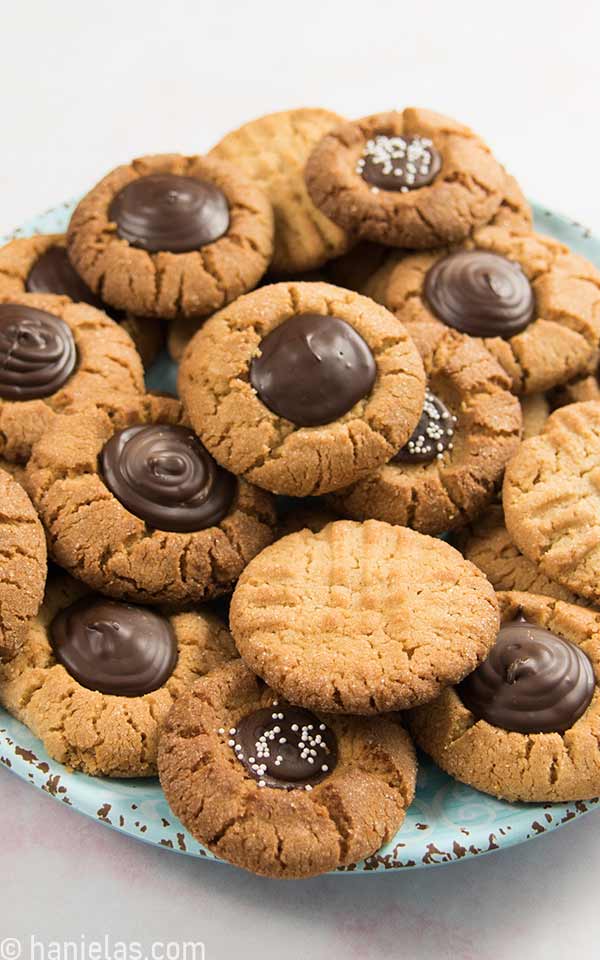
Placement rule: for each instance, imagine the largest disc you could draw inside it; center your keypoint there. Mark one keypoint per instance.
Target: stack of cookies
(249, 593)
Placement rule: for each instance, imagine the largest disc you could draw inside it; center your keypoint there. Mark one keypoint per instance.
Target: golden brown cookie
(531, 729)
(58, 357)
(332, 793)
(179, 333)
(537, 311)
(452, 465)
(39, 264)
(272, 150)
(488, 545)
(96, 678)
(577, 391)
(23, 565)
(168, 235)
(144, 513)
(551, 498)
(362, 618)
(302, 388)
(536, 410)
(408, 178)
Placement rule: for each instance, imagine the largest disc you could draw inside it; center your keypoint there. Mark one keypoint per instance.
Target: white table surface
(85, 86)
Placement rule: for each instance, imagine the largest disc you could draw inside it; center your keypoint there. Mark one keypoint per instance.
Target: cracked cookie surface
(452, 487)
(488, 545)
(535, 767)
(551, 498)
(272, 150)
(362, 618)
(108, 375)
(169, 284)
(466, 191)
(19, 257)
(102, 734)
(102, 543)
(252, 441)
(286, 833)
(23, 564)
(560, 342)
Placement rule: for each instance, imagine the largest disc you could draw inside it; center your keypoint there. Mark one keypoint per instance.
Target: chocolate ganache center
(37, 352)
(165, 476)
(312, 369)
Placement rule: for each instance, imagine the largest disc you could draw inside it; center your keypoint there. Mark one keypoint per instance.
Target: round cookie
(168, 236)
(578, 390)
(450, 468)
(144, 513)
(362, 618)
(40, 264)
(58, 357)
(530, 730)
(488, 545)
(272, 150)
(305, 808)
(302, 388)
(551, 498)
(532, 301)
(96, 678)
(23, 565)
(408, 178)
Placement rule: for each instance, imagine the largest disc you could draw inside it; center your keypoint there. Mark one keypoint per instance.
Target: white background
(85, 86)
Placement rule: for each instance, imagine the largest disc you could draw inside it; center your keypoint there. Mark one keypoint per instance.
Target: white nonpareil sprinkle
(440, 426)
(397, 156)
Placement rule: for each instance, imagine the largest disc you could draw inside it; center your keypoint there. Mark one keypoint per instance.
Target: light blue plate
(446, 822)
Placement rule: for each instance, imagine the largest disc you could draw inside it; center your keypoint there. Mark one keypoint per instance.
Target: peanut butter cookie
(96, 677)
(272, 150)
(408, 178)
(525, 724)
(450, 468)
(169, 235)
(535, 410)
(551, 498)
(23, 565)
(278, 790)
(40, 264)
(362, 618)
(58, 357)
(534, 302)
(302, 388)
(144, 513)
(488, 545)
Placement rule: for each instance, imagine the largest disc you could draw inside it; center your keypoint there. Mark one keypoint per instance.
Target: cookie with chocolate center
(168, 236)
(523, 725)
(532, 302)
(40, 264)
(408, 178)
(279, 790)
(144, 513)
(450, 468)
(96, 677)
(302, 388)
(59, 357)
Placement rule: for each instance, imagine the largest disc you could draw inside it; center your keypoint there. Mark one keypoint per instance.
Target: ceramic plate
(446, 822)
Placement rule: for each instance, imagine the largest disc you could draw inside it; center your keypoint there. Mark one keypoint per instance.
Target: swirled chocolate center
(114, 648)
(37, 352)
(480, 293)
(532, 681)
(285, 747)
(399, 163)
(433, 434)
(165, 211)
(163, 475)
(312, 369)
